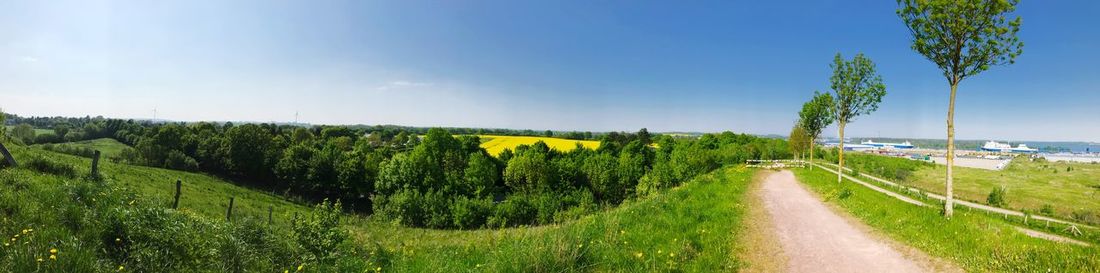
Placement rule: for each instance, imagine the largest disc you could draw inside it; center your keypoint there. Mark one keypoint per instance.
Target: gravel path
(816, 239)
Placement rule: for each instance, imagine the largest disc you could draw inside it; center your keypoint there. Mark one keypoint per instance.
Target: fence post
(176, 204)
(229, 211)
(270, 209)
(95, 164)
(8, 156)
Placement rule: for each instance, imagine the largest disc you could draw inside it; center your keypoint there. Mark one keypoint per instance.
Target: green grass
(109, 147)
(974, 241)
(692, 228)
(37, 131)
(1031, 185)
(202, 194)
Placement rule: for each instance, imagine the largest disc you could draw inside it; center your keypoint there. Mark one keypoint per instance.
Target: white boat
(994, 146)
(903, 145)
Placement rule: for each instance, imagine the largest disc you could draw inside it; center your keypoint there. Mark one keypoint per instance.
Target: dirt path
(815, 239)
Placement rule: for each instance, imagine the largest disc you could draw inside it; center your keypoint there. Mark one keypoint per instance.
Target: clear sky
(745, 66)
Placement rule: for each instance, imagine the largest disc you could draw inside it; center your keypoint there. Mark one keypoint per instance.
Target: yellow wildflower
(53, 257)
(638, 254)
(670, 254)
(301, 266)
(286, 271)
(40, 260)
(120, 268)
(53, 251)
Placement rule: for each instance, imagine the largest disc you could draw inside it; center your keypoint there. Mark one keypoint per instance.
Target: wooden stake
(176, 204)
(229, 211)
(95, 164)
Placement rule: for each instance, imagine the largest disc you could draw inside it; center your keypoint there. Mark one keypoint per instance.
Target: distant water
(1043, 146)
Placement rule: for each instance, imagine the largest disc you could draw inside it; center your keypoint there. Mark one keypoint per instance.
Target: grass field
(974, 241)
(1031, 185)
(109, 147)
(203, 194)
(691, 228)
(496, 144)
(37, 131)
(1069, 190)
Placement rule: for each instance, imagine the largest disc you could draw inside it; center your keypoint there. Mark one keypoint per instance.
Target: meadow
(671, 231)
(108, 147)
(1068, 190)
(495, 144)
(693, 228)
(972, 240)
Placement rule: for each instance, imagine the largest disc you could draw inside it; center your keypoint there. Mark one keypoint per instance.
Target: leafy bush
(1047, 209)
(320, 234)
(470, 213)
(997, 197)
(44, 165)
(179, 161)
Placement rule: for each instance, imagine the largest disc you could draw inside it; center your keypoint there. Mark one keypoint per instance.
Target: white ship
(903, 145)
(994, 146)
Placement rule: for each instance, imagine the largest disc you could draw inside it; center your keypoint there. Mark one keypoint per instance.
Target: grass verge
(973, 241)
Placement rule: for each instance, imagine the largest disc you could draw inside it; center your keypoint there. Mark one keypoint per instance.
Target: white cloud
(402, 84)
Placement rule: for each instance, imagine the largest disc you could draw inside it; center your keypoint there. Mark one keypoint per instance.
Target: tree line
(438, 179)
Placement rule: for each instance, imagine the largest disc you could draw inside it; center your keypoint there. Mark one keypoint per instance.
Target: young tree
(963, 38)
(816, 114)
(799, 140)
(858, 90)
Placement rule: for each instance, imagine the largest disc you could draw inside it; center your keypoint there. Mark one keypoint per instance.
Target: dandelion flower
(118, 240)
(53, 251)
(53, 257)
(301, 266)
(638, 254)
(40, 260)
(286, 271)
(670, 254)
(120, 268)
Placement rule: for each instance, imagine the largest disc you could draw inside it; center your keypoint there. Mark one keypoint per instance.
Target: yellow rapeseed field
(496, 144)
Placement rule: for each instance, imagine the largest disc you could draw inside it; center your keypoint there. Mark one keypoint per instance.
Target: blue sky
(745, 66)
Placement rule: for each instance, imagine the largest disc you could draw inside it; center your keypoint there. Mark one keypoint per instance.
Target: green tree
(963, 38)
(248, 148)
(816, 114)
(24, 133)
(480, 175)
(858, 89)
(799, 140)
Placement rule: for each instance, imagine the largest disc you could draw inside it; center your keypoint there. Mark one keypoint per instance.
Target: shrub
(1085, 216)
(44, 165)
(320, 234)
(997, 197)
(1047, 210)
(179, 161)
(470, 213)
(515, 211)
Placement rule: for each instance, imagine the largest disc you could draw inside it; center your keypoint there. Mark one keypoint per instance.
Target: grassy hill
(495, 144)
(123, 220)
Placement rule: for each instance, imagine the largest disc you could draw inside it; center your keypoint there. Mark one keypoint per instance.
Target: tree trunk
(840, 158)
(949, 202)
(811, 154)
